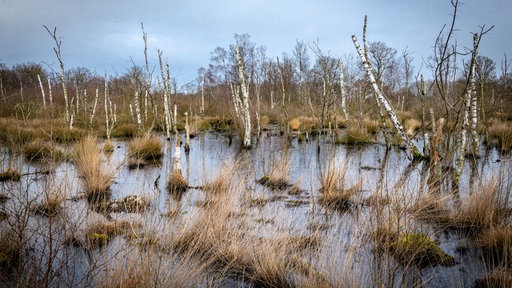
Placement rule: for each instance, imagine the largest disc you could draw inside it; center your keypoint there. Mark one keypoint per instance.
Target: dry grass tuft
(496, 243)
(88, 162)
(500, 277)
(10, 174)
(108, 146)
(52, 202)
(431, 208)
(147, 147)
(354, 136)
(333, 193)
(500, 133)
(41, 150)
(177, 183)
(411, 125)
(482, 209)
(277, 178)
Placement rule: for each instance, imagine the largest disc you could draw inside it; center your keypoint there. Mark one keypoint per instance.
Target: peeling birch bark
(245, 101)
(383, 101)
(467, 110)
(137, 110)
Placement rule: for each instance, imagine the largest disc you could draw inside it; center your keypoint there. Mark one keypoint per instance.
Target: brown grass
(52, 202)
(177, 183)
(500, 133)
(432, 208)
(41, 150)
(277, 178)
(87, 158)
(482, 209)
(333, 193)
(146, 147)
(500, 277)
(10, 174)
(354, 136)
(496, 243)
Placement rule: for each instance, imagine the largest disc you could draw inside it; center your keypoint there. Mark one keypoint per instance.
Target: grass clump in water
(41, 150)
(333, 193)
(144, 149)
(354, 136)
(88, 162)
(10, 174)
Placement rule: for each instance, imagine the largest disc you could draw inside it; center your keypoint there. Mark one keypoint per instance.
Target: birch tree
(467, 109)
(413, 149)
(343, 92)
(42, 90)
(56, 49)
(244, 91)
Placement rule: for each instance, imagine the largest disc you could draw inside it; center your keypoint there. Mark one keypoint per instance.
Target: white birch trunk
(202, 95)
(94, 107)
(343, 93)
(42, 90)
(384, 103)
(467, 110)
(187, 134)
(131, 111)
(167, 117)
(107, 122)
(245, 101)
(50, 91)
(137, 110)
(474, 110)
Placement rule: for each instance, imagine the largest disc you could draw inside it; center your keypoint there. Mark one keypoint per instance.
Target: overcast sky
(102, 34)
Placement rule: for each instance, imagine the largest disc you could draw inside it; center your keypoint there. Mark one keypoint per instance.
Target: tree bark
(384, 103)
(245, 101)
(465, 118)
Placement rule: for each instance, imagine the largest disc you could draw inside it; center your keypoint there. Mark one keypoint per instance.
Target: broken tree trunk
(413, 149)
(465, 117)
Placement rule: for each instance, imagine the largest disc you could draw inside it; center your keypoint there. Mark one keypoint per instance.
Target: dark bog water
(345, 253)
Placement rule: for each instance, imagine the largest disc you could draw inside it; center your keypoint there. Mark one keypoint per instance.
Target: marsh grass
(10, 174)
(144, 149)
(108, 146)
(42, 151)
(277, 178)
(354, 136)
(500, 133)
(432, 208)
(482, 209)
(96, 178)
(51, 205)
(496, 244)
(333, 192)
(500, 277)
(176, 182)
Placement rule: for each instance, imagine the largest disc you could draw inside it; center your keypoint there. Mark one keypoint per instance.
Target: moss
(419, 250)
(99, 239)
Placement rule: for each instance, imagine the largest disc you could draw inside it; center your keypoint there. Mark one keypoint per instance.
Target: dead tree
(381, 99)
(56, 49)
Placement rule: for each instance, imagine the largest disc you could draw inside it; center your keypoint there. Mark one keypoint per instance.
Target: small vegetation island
(304, 170)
